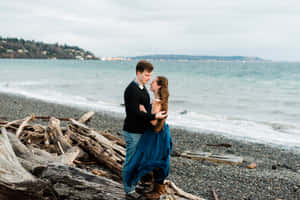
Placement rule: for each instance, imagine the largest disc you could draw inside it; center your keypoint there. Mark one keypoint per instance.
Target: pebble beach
(276, 176)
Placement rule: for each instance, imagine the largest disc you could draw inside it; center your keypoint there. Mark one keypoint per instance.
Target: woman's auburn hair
(163, 93)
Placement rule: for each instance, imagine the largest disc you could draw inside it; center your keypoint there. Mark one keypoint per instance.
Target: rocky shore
(276, 176)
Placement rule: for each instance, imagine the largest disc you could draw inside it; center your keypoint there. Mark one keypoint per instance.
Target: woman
(154, 148)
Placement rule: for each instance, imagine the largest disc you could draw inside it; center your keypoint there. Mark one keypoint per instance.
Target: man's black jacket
(136, 121)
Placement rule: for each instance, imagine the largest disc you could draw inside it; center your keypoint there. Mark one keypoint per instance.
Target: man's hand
(161, 115)
(142, 108)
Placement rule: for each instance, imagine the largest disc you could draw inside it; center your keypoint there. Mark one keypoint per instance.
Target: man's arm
(132, 106)
(158, 115)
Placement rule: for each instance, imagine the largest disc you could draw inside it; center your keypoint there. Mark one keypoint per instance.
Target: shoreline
(116, 115)
(277, 174)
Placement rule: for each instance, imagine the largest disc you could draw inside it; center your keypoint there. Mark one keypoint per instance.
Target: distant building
(79, 57)
(115, 59)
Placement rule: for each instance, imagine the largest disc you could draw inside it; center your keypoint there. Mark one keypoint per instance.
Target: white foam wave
(61, 98)
(287, 135)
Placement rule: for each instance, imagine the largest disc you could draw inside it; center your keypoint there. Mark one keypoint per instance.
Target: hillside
(20, 48)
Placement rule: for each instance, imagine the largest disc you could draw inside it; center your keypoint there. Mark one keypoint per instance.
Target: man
(136, 121)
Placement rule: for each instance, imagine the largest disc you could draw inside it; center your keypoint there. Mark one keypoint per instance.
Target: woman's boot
(146, 184)
(159, 189)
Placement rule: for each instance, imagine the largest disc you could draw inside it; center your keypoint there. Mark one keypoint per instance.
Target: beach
(276, 176)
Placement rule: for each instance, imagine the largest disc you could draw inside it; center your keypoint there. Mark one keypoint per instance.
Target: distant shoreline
(195, 57)
(125, 59)
(186, 58)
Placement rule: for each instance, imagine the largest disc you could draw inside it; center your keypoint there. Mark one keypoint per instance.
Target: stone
(251, 166)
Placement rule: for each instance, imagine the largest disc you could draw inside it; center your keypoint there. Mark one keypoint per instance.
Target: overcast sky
(269, 29)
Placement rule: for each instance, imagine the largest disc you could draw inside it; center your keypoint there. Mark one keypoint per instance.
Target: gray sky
(269, 29)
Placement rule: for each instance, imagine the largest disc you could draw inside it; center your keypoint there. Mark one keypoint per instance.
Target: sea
(251, 101)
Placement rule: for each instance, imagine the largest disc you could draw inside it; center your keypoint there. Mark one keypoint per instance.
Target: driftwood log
(218, 158)
(24, 123)
(86, 117)
(15, 181)
(40, 162)
(105, 151)
(73, 183)
(56, 137)
(67, 182)
(215, 194)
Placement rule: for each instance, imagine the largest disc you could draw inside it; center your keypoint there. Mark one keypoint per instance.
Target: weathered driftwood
(48, 118)
(100, 153)
(106, 174)
(10, 125)
(218, 158)
(11, 170)
(179, 192)
(86, 131)
(73, 183)
(215, 194)
(67, 182)
(113, 138)
(39, 158)
(15, 181)
(13, 122)
(86, 117)
(220, 145)
(32, 137)
(56, 137)
(105, 151)
(24, 123)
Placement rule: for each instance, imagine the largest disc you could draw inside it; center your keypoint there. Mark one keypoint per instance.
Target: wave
(282, 134)
(45, 83)
(69, 100)
(23, 83)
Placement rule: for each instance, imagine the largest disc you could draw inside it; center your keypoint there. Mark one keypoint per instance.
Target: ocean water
(257, 102)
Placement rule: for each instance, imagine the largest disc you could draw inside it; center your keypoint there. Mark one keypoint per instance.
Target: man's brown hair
(144, 65)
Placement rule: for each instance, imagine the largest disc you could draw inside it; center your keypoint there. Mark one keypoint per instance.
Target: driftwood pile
(52, 162)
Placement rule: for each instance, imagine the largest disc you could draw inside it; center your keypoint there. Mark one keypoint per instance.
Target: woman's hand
(142, 108)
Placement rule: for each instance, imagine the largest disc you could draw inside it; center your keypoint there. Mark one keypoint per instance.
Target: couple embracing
(147, 136)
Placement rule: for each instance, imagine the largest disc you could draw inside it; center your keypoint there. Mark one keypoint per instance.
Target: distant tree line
(20, 48)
